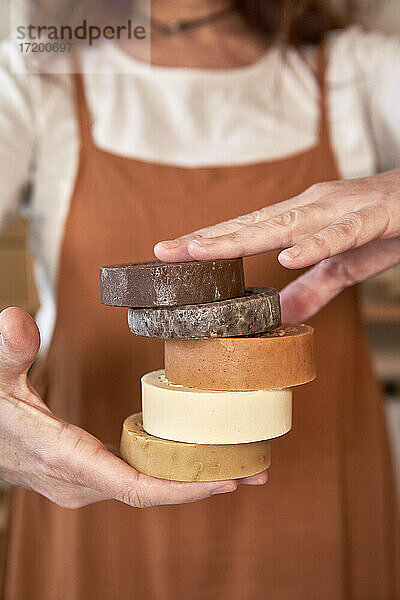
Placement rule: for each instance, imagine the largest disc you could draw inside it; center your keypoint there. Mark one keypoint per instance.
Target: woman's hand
(63, 462)
(350, 230)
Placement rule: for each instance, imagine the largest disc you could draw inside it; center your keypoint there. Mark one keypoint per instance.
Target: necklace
(169, 30)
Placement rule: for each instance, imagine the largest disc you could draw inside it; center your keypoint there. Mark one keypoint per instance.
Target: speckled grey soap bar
(256, 312)
(157, 283)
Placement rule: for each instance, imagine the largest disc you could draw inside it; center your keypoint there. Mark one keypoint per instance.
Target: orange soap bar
(283, 357)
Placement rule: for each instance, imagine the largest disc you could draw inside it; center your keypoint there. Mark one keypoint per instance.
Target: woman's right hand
(61, 461)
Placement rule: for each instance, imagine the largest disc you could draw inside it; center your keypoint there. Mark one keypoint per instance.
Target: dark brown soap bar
(256, 312)
(171, 284)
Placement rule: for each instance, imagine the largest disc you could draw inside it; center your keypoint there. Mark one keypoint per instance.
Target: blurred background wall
(379, 14)
(4, 18)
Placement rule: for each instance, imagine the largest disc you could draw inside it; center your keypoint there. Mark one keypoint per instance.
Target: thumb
(19, 345)
(310, 292)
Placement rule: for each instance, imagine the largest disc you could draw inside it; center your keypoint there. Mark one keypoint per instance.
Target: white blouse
(187, 117)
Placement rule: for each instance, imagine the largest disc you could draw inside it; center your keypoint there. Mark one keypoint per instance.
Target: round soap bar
(256, 312)
(183, 414)
(171, 284)
(280, 358)
(189, 462)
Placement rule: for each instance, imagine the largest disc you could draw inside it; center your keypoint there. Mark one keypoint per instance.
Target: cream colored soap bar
(281, 358)
(185, 414)
(189, 462)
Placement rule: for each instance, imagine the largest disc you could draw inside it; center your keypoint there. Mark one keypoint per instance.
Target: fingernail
(168, 244)
(202, 242)
(292, 252)
(223, 489)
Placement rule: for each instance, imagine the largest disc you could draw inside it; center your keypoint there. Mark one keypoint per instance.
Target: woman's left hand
(350, 230)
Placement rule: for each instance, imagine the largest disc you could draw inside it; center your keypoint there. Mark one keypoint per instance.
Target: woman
(223, 124)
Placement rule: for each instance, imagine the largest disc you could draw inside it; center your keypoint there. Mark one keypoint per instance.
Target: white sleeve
(374, 59)
(16, 135)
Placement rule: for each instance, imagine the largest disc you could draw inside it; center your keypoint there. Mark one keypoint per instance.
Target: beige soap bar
(189, 462)
(281, 358)
(183, 414)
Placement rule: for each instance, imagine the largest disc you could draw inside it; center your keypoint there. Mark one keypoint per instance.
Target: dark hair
(294, 22)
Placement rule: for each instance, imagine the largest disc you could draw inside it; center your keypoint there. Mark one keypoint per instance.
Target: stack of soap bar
(229, 368)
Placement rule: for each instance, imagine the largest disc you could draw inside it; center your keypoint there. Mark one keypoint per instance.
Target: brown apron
(324, 525)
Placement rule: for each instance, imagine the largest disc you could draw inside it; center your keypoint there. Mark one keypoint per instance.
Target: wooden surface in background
(17, 288)
(17, 285)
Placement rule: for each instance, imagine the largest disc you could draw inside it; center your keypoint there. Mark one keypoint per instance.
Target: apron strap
(321, 71)
(83, 113)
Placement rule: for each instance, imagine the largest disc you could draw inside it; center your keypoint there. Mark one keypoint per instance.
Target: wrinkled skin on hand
(59, 460)
(346, 230)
